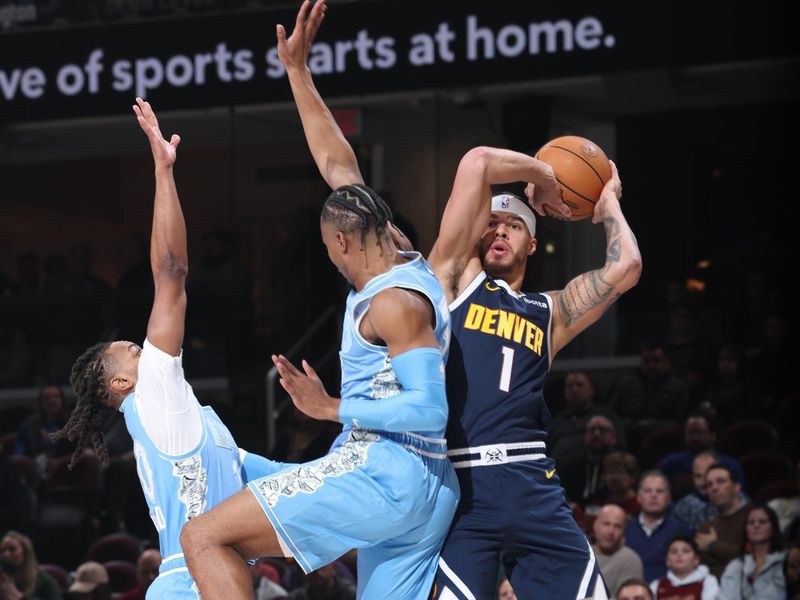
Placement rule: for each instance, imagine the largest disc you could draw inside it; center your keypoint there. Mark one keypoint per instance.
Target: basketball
(582, 169)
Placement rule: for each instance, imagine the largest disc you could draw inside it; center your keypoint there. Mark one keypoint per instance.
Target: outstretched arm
(168, 255)
(454, 257)
(333, 154)
(587, 297)
(402, 320)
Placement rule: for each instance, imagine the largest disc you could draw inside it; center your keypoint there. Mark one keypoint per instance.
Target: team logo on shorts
(307, 479)
(495, 455)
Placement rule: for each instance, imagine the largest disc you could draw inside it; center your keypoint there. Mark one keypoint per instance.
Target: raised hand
(609, 197)
(306, 390)
(400, 239)
(548, 195)
(164, 152)
(293, 51)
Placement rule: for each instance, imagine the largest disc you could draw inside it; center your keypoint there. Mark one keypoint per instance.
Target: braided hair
(357, 206)
(84, 425)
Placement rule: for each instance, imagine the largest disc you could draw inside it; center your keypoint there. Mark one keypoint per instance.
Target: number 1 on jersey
(505, 370)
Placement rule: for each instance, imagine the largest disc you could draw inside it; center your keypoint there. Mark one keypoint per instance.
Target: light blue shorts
(176, 583)
(391, 496)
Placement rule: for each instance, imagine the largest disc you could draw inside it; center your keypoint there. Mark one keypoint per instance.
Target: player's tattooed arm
(583, 294)
(587, 297)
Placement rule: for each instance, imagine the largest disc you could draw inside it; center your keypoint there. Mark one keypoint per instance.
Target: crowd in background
(683, 472)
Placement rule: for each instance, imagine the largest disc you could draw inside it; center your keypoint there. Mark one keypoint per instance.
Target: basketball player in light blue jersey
(186, 459)
(386, 488)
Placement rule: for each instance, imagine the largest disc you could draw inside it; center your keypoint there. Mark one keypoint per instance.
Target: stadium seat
(746, 437)
(121, 576)
(783, 488)
(660, 442)
(115, 547)
(64, 526)
(83, 476)
(763, 468)
(60, 574)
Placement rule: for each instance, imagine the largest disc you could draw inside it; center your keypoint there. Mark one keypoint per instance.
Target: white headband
(511, 204)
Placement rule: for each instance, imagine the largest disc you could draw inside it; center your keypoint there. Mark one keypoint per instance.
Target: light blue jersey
(367, 372)
(386, 488)
(178, 488)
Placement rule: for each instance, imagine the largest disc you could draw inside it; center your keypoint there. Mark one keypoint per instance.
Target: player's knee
(194, 538)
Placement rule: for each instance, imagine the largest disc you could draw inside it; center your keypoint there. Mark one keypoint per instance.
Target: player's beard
(497, 269)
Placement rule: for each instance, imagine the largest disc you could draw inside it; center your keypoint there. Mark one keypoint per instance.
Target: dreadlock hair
(84, 425)
(352, 206)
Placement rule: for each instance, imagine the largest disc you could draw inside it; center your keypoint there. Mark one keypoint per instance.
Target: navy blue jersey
(499, 359)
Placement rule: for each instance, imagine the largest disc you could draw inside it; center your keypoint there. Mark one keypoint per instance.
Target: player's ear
(532, 246)
(342, 242)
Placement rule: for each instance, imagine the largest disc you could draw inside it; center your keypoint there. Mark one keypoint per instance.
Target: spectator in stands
(33, 436)
(634, 589)
(650, 533)
(733, 395)
(694, 508)
(91, 583)
(146, 572)
(650, 397)
(581, 478)
(791, 572)
(8, 586)
(619, 474)
(567, 428)
(720, 539)
(30, 579)
(324, 584)
(757, 574)
(617, 561)
(505, 591)
(699, 436)
(686, 578)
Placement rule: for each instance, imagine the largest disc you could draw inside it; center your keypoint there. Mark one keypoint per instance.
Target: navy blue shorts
(516, 513)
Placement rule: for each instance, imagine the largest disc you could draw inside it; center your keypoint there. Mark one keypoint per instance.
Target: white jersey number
(145, 472)
(505, 370)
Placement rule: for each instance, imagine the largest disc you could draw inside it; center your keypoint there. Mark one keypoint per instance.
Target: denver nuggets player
(512, 508)
(186, 458)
